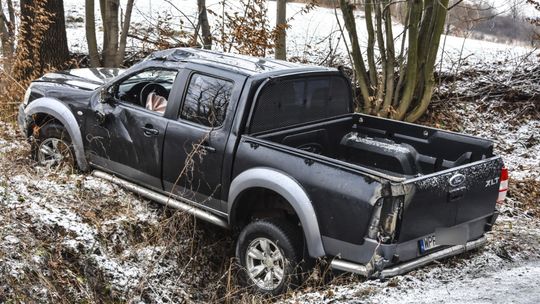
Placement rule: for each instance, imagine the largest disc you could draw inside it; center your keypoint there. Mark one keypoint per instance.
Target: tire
(269, 252)
(52, 146)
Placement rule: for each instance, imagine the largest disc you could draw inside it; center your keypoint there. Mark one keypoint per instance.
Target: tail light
(503, 188)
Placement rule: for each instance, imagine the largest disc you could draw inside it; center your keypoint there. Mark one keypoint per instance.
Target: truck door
(129, 140)
(196, 141)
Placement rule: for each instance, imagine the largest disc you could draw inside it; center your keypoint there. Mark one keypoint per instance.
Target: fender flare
(289, 189)
(62, 113)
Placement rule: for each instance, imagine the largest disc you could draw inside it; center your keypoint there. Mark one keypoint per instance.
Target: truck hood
(85, 79)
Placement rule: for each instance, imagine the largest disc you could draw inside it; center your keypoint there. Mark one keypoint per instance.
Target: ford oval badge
(457, 180)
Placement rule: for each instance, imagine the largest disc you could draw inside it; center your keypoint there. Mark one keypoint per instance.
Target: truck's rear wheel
(269, 252)
(52, 146)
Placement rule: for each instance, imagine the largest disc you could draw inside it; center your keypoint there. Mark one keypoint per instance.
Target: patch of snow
(508, 284)
(11, 240)
(521, 157)
(123, 277)
(94, 184)
(6, 146)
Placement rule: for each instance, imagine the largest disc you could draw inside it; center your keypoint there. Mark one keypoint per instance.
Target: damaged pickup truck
(273, 151)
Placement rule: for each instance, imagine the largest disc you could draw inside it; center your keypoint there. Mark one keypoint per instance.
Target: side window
(206, 100)
(149, 89)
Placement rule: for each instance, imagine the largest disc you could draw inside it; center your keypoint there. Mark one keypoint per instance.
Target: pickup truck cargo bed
(400, 149)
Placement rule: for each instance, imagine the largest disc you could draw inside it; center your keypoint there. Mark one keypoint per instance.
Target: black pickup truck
(273, 151)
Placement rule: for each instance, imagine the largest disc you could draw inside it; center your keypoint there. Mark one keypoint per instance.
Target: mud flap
(491, 221)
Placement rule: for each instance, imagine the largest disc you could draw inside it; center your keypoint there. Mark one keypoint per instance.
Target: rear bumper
(400, 252)
(409, 265)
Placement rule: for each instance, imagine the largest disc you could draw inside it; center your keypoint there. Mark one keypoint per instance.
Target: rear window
(295, 101)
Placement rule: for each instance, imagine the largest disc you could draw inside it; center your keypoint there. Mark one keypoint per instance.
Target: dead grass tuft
(526, 195)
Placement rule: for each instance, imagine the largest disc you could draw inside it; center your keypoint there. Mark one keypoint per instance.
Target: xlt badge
(492, 182)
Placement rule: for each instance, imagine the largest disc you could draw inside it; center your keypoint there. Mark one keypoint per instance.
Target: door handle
(150, 131)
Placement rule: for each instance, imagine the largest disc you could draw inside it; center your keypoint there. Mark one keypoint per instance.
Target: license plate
(427, 243)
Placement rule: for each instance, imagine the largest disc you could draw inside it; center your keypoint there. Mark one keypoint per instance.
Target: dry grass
(526, 194)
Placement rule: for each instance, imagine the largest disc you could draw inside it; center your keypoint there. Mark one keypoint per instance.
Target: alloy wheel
(265, 263)
(53, 152)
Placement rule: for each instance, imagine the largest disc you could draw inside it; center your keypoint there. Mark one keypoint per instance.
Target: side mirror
(106, 96)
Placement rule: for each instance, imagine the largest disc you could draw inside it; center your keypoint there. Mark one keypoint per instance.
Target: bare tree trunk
(204, 24)
(435, 38)
(281, 35)
(424, 36)
(109, 14)
(54, 51)
(390, 60)
(11, 12)
(397, 90)
(368, 8)
(358, 60)
(6, 27)
(26, 44)
(90, 25)
(382, 53)
(411, 73)
(8, 35)
(123, 37)
(42, 41)
(34, 22)
(407, 94)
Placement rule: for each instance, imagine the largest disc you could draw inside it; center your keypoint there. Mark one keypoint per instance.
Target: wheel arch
(59, 111)
(290, 190)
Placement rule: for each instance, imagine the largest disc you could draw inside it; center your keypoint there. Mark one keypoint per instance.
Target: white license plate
(427, 243)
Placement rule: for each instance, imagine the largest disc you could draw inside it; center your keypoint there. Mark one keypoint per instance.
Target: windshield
(295, 101)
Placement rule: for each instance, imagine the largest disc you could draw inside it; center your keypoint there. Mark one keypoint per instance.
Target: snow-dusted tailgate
(463, 198)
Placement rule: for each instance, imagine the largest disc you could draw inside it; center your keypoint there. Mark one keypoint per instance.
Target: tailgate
(450, 197)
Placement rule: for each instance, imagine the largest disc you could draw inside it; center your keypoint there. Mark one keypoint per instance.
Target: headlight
(27, 95)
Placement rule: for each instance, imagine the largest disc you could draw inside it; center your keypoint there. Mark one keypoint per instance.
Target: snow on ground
(494, 287)
(519, 145)
(506, 284)
(499, 100)
(310, 36)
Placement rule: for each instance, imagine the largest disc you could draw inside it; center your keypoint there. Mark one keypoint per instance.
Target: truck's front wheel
(52, 146)
(269, 252)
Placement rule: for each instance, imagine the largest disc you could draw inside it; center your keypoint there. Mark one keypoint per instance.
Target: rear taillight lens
(503, 188)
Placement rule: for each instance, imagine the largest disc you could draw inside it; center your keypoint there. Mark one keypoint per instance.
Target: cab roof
(246, 65)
